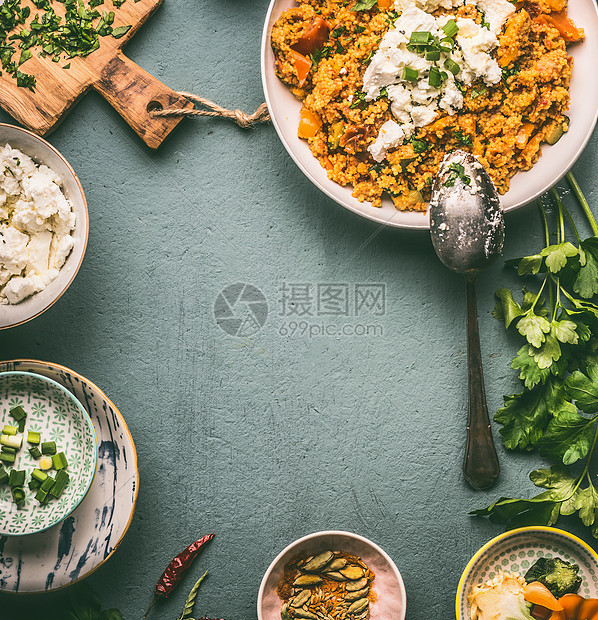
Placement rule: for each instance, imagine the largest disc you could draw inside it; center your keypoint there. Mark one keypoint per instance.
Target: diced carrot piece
(567, 29)
(524, 134)
(385, 4)
(538, 594)
(309, 124)
(313, 38)
(571, 603)
(302, 66)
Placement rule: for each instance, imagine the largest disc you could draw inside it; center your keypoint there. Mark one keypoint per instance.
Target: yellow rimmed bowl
(43, 152)
(517, 550)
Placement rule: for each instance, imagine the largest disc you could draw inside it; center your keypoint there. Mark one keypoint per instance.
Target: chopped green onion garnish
(7, 457)
(45, 463)
(41, 495)
(434, 77)
(9, 430)
(452, 66)
(447, 45)
(18, 495)
(16, 478)
(3, 475)
(9, 450)
(48, 447)
(39, 475)
(420, 37)
(62, 479)
(47, 484)
(34, 438)
(35, 452)
(11, 441)
(59, 461)
(450, 28)
(409, 74)
(433, 55)
(33, 484)
(21, 426)
(18, 413)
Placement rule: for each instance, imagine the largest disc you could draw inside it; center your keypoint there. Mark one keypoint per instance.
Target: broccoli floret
(558, 576)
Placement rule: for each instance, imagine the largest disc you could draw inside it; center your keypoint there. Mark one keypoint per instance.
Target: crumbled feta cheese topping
(416, 102)
(36, 222)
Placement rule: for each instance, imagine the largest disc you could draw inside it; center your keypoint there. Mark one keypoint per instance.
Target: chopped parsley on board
(75, 34)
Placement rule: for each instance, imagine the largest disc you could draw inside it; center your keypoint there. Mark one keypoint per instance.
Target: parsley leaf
(364, 5)
(568, 437)
(586, 283)
(556, 255)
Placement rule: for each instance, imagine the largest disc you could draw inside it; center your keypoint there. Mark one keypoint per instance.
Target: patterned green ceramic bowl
(517, 550)
(58, 416)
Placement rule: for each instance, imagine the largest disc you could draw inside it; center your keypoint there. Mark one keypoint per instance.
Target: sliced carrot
(309, 124)
(302, 66)
(558, 615)
(313, 38)
(588, 609)
(385, 4)
(538, 594)
(567, 29)
(571, 603)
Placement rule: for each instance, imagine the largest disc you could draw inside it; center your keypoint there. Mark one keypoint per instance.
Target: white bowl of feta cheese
(43, 225)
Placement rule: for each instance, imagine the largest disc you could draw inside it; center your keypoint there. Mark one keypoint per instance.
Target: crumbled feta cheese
(417, 103)
(343, 71)
(390, 136)
(36, 222)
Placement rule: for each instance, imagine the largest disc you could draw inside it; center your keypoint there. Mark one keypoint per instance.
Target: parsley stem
(544, 220)
(586, 469)
(583, 202)
(566, 212)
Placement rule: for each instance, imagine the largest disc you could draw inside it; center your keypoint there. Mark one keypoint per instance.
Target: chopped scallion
(7, 457)
(35, 452)
(47, 484)
(49, 447)
(433, 55)
(21, 426)
(62, 479)
(452, 66)
(409, 74)
(16, 478)
(18, 495)
(39, 475)
(11, 441)
(434, 77)
(34, 438)
(9, 430)
(3, 475)
(45, 463)
(450, 28)
(41, 495)
(59, 461)
(18, 413)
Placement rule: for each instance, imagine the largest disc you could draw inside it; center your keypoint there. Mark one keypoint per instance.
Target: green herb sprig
(84, 604)
(556, 413)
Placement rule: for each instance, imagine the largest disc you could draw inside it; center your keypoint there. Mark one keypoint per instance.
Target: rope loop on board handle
(244, 120)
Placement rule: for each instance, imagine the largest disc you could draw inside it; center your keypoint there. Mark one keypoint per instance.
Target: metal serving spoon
(467, 229)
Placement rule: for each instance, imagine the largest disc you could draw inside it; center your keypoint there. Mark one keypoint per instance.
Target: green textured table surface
(355, 420)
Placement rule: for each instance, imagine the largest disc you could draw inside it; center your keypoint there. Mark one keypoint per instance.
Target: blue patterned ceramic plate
(58, 416)
(87, 538)
(517, 550)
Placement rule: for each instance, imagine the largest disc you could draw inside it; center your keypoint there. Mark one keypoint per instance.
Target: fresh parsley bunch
(556, 413)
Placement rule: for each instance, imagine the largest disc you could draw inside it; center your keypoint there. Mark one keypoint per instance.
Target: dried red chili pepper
(174, 572)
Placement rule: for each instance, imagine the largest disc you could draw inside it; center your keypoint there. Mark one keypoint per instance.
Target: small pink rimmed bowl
(391, 599)
(43, 152)
(515, 552)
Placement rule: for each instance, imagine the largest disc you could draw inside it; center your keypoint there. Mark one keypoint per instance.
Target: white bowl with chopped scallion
(48, 453)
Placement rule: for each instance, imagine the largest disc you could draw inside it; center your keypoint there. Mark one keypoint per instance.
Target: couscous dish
(389, 87)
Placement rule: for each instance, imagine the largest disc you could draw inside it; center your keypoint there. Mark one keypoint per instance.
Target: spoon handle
(480, 466)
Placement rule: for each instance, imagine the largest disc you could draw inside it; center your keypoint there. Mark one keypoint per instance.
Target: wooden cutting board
(129, 89)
